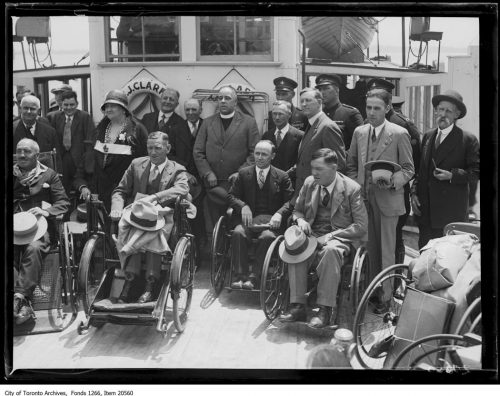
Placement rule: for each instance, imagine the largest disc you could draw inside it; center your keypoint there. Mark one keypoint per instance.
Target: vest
(154, 186)
(322, 222)
(262, 197)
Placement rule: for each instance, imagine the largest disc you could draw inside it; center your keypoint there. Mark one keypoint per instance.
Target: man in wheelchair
(149, 181)
(329, 208)
(38, 198)
(261, 195)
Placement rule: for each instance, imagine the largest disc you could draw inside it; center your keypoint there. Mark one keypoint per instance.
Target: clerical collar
(226, 116)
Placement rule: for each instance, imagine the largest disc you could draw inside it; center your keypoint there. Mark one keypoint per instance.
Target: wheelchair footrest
(111, 305)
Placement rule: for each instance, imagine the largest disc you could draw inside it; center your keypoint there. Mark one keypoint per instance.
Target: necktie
(374, 136)
(438, 139)
(262, 180)
(193, 128)
(67, 134)
(153, 174)
(308, 126)
(161, 124)
(326, 197)
(278, 138)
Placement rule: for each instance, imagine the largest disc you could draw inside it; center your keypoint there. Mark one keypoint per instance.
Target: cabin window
(143, 38)
(229, 38)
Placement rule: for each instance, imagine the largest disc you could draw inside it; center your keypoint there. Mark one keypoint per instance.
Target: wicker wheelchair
(99, 275)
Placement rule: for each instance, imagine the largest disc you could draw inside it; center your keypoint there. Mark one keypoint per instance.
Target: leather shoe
(18, 298)
(25, 312)
(248, 285)
(145, 297)
(296, 313)
(322, 318)
(237, 285)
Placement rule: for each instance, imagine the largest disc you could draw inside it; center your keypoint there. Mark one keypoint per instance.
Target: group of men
(315, 164)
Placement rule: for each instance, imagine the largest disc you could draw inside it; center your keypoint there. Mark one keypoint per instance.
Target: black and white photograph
(267, 192)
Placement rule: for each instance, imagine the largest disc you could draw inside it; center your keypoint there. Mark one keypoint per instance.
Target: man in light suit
(381, 140)
(162, 180)
(260, 195)
(75, 132)
(285, 137)
(225, 144)
(329, 207)
(321, 133)
(449, 164)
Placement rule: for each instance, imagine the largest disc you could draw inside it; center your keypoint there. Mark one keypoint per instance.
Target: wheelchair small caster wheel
(82, 329)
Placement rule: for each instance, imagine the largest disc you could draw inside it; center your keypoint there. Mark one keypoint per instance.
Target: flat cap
(61, 88)
(328, 79)
(380, 83)
(284, 83)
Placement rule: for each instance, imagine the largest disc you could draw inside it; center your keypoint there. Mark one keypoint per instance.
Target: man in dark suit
(261, 195)
(347, 118)
(74, 127)
(224, 144)
(168, 121)
(37, 190)
(285, 90)
(322, 133)
(58, 91)
(28, 126)
(285, 137)
(449, 163)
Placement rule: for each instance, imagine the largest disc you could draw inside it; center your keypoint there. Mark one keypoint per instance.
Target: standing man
(74, 128)
(224, 144)
(322, 132)
(330, 208)
(389, 144)
(260, 195)
(168, 121)
(405, 122)
(450, 163)
(285, 137)
(347, 118)
(58, 91)
(285, 90)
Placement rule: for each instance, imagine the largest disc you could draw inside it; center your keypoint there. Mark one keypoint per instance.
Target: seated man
(38, 191)
(330, 208)
(162, 181)
(261, 194)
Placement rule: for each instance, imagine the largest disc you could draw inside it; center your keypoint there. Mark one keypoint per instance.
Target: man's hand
(304, 226)
(246, 215)
(275, 221)
(211, 179)
(84, 193)
(116, 215)
(415, 205)
(383, 185)
(442, 174)
(192, 180)
(38, 212)
(322, 240)
(232, 177)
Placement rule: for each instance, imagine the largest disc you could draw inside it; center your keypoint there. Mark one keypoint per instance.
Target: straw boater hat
(27, 228)
(382, 169)
(296, 246)
(116, 96)
(144, 215)
(453, 97)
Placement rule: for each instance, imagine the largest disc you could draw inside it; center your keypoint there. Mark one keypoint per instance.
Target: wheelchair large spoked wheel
(436, 352)
(70, 260)
(471, 319)
(274, 290)
(182, 279)
(359, 277)
(92, 268)
(374, 327)
(220, 255)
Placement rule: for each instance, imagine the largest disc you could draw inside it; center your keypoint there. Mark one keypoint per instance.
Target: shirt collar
(446, 131)
(160, 166)
(167, 115)
(30, 128)
(284, 130)
(313, 119)
(330, 186)
(266, 171)
(225, 116)
(378, 129)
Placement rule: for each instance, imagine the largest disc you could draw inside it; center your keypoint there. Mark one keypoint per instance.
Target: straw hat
(27, 228)
(144, 215)
(382, 169)
(296, 246)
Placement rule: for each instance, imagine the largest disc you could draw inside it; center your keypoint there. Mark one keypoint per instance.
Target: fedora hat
(27, 228)
(144, 216)
(453, 97)
(116, 96)
(382, 169)
(296, 246)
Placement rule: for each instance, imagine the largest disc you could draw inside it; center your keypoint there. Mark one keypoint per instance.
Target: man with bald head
(28, 126)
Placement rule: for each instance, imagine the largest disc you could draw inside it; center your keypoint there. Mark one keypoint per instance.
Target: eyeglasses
(226, 98)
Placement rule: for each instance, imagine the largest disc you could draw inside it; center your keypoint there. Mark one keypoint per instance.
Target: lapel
(216, 129)
(144, 175)
(309, 135)
(233, 127)
(385, 140)
(273, 184)
(447, 145)
(428, 148)
(74, 122)
(253, 184)
(166, 175)
(338, 194)
(363, 143)
(315, 196)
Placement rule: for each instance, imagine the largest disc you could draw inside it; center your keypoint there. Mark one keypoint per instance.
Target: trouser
(198, 223)
(153, 264)
(29, 265)
(68, 171)
(399, 253)
(327, 262)
(215, 205)
(241, 239)
(426, 233)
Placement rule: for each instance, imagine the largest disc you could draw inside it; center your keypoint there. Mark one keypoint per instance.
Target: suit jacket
(287, 152)
(242, 192)
(45, 135)
(82, 130)
(324, 133)
(173, 183)
(394, 145)
(224, 152)
(349, 219)
(52, 114)
(443, 202)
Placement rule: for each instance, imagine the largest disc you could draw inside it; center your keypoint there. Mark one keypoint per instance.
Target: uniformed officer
(348, 118)
(405, 122)
(397, 103)
(285, 90)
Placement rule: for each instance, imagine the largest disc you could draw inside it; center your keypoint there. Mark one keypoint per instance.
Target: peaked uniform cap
(284, 84)
(328, 79)
(380, 83)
